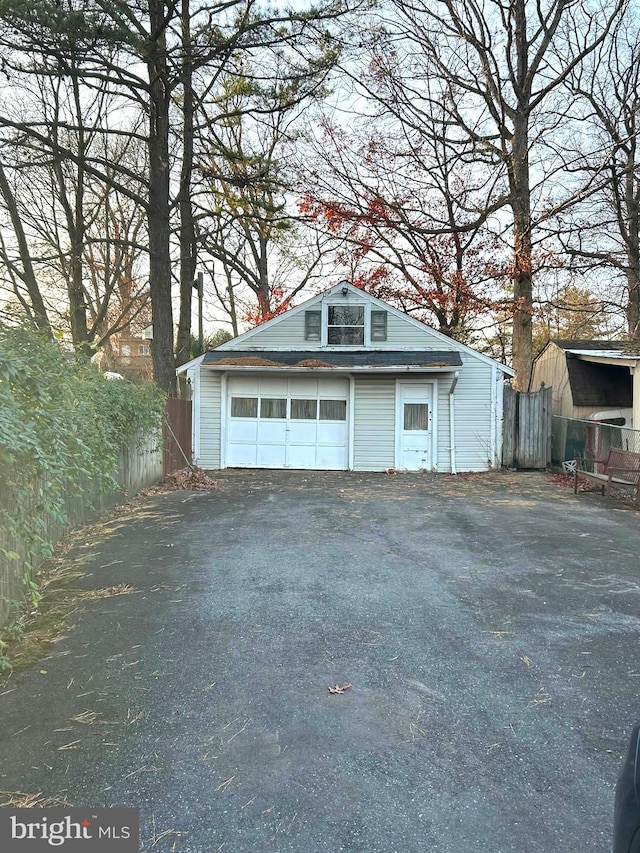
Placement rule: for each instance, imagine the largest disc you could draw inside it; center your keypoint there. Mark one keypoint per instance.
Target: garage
(287, 422)
(345, 381)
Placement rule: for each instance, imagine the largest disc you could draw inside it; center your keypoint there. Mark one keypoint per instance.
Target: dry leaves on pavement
(339, 688)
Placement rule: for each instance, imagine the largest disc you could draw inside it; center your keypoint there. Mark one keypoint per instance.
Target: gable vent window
(312, 325)
(345, 325)
(378, 325)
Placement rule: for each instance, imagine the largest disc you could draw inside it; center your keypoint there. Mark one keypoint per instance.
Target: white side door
(414, 425)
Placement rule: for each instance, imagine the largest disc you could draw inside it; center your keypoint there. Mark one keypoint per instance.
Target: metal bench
(621, 468)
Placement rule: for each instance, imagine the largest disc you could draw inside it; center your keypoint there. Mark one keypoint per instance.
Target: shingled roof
(310, 359)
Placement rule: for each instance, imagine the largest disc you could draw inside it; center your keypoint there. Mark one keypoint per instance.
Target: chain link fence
(572, 438)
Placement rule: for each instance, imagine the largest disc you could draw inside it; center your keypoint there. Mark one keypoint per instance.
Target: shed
(589, 376)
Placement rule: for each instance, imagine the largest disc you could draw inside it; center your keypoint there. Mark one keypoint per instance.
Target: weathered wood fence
(526, 429)
(176, 436)
(138, 467)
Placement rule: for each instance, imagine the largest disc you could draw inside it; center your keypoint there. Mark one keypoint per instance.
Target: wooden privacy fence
(526, 429)
(176, 436)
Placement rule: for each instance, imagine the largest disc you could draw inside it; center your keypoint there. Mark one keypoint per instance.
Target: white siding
(374, 420)
(472, 416)
(288, 332)
(374, 427)
(193, 391)
(210, 402)
(401, 333)
(444, 434)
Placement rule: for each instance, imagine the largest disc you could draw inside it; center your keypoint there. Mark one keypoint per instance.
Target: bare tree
(76, 239)
(498, 69)
(138, 49)
(18, 262)
(572, 313)
(247, 222)
(409, 219)
(602, 232)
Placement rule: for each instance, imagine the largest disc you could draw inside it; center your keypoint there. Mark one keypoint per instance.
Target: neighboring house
(131, 356)
(346, 382)
(591, 378)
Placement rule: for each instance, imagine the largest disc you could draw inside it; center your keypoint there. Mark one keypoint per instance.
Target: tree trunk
(263, 293)
(185, 207)
(77, 232)
(233, 313)
(522, 250)
(75, 291)
(159, 204)
(74, 214)
(632, 248)
(633, 301)
(28, 276)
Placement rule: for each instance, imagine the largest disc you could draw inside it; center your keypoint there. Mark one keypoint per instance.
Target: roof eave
(615, 361)
(193, 363)
(401, 368)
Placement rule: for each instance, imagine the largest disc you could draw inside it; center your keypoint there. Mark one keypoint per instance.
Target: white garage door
(287, 423)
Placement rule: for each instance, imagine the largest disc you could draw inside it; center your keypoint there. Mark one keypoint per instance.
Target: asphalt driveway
(488, 626)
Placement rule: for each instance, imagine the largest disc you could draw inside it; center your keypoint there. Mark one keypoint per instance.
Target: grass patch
(48, 626)
(33, 637)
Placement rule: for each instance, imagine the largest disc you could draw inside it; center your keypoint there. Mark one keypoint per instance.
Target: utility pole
(198, 284)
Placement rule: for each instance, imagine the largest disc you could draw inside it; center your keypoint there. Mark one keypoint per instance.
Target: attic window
(345, 325)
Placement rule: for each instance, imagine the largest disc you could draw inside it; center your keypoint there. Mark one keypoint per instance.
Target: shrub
(62, 424)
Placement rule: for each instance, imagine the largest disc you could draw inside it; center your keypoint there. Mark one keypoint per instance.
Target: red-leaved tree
(407, 234)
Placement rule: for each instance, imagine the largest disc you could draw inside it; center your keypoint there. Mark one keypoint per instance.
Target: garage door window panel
(244, 407)
(345, 325)
(304, 410)
(271, 407)
(333, 410)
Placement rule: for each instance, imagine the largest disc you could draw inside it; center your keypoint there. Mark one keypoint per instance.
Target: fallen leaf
(339, 688)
